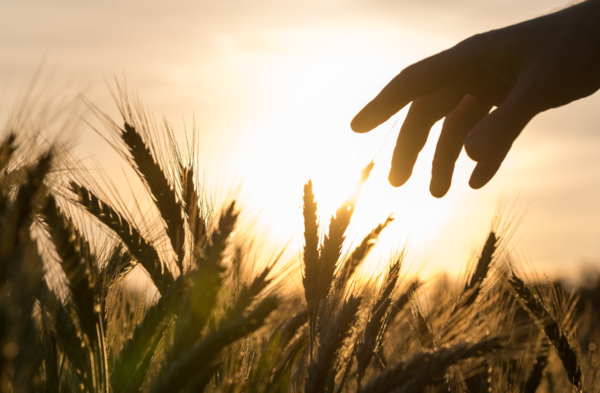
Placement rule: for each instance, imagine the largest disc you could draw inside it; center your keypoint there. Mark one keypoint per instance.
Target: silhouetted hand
(522, 69)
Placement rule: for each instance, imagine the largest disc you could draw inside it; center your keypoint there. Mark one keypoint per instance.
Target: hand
(522, 70)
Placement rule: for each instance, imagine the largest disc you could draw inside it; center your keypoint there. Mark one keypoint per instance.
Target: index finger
(419, 79)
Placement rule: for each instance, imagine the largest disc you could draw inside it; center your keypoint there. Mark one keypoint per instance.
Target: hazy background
(273, 86)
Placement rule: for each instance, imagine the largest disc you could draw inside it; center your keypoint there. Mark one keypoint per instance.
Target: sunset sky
(273, 86)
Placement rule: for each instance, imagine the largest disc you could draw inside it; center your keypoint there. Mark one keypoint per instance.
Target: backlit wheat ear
(359, 254)
(78, 264)
(332, 246)
(473, 286)
(199, 359)
(190, 194)
(117, 265)
(555, 334)
(321, 369)
(422, 328)
(419, 371)
(139, 247)
(403, 299)
(21, 276)
(310, 279)
(203, 285)
(16, 213)
(330, 252)
(377, 323)
(162, 191)
(250, 292)
(212, 253)
(65, 333)
(348, 367)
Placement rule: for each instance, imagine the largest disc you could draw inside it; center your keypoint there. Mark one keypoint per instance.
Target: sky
(271, 87)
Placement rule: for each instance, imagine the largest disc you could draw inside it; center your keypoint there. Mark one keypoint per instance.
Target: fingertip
(478, 147)
(398, 178)
(438, 194)
(483, 173)
(437, 189)
(476, 182)
(359, 124)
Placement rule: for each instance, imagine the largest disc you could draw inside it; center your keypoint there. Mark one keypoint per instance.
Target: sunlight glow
(272, 88)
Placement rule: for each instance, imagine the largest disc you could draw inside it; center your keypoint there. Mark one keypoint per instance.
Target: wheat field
(214, 316)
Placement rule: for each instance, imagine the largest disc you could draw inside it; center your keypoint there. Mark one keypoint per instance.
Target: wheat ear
(557, 337)
(473, 285)
(202, 287)
(21, 276)
(16, 214)
(377, 323)
(196, 222)
(332, 246)
(320, 371)
(139, 247)
(199, 358)
(66, 334)
(310, 279)
(79, 266)
(402, 300)
(358, 255)
(117, 265)
(160, 188)
(417, 372)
